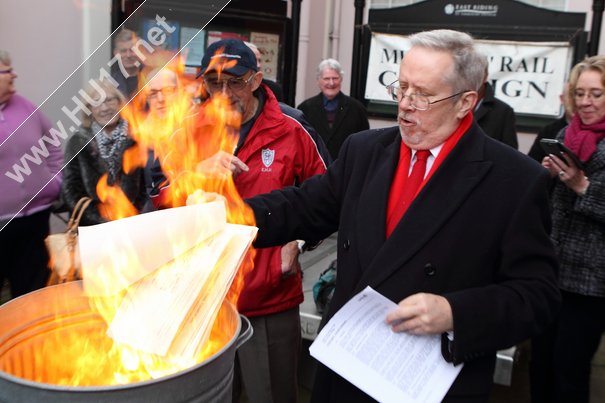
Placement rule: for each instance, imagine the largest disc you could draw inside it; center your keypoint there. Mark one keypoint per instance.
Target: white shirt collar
(429, 162)
(434, 152)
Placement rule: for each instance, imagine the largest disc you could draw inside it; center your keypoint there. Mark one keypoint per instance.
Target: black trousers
(23, 257)
(561, 358)
(267, 364)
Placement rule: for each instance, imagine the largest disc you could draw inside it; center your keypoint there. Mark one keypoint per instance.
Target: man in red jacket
(274, 151)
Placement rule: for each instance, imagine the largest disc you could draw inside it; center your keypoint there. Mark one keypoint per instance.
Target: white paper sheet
(173, 309)
(391, 367)
(152, 239)
(195, 329)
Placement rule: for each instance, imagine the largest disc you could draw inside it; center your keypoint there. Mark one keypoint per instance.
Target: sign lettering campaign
(529, 76)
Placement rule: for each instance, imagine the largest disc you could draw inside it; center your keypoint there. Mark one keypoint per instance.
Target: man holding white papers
(436, 216)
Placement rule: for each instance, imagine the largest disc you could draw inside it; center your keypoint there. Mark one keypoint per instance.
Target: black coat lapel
(318, 106)
(371, 215)
(343, 105)
(450, 185)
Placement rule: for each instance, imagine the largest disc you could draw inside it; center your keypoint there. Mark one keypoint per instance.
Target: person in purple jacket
(30, 180)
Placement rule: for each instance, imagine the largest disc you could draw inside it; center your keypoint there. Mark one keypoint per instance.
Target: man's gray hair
(124, 35)
(5, 58)
(469, 64)
(331, 64)
(251, 45)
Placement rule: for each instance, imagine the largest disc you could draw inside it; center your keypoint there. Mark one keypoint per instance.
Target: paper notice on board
(390, 367)
(268, 47)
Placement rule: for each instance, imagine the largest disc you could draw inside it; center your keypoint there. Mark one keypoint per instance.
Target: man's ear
(257, 80)
(467, 103)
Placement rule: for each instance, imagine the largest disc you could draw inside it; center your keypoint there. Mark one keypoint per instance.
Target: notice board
(530, 51)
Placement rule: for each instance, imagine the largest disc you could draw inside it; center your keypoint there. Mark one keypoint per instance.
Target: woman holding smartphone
(561, 357)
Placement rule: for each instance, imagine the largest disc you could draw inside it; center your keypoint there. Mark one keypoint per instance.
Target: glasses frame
(394, 90)
(7, 71)
(330, 79)
(588, 94)
(227, 83)
(167, 91)
(110, 102)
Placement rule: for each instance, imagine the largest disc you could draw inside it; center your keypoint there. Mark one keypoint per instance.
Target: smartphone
(555, 147)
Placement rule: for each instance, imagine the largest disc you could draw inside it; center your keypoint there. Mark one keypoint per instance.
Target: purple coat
(30, 159)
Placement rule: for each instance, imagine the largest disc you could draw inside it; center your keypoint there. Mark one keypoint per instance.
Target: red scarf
(403, 168)
(583, 139)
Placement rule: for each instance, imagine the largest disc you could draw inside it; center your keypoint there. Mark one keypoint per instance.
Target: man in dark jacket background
(333, 114)
(496, 117)
(127, 76)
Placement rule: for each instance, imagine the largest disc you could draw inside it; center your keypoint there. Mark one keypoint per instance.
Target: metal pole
(595, 28)
(291, 95)
(356, 65)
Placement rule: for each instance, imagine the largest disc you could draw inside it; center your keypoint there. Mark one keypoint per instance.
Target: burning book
(173, 268)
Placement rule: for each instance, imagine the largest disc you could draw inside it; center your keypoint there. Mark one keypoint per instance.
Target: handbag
(63, 248)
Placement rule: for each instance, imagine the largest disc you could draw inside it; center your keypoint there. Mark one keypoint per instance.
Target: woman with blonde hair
(561, 357)
(98, 149)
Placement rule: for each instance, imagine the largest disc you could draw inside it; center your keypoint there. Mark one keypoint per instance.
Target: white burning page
(172, 310)
(154, 308)
(195, 329)
(190, 256)
(118, 253)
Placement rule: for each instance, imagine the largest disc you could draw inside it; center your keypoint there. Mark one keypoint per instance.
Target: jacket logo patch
(268, 157)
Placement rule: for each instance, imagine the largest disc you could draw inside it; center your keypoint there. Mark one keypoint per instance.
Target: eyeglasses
(7, 71)
(166, 92)
(109, 102)
(330, 79)
(417, 101)
(234, 84)
(591, 95)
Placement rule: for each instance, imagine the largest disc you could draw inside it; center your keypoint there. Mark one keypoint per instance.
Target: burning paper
(116, 254)
(172, 299)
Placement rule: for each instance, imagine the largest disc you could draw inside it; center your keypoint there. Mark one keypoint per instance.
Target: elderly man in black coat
(466, 253)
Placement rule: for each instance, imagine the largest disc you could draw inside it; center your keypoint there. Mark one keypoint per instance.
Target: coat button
(429, 269)
(346, 244)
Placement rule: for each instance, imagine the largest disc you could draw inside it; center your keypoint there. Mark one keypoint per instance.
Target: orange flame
(220, 63)
(182, 139)
(187, 136)
(71, 348)
(114, 203)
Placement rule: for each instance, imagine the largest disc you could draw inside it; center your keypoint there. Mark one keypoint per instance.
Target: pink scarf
(583, 139)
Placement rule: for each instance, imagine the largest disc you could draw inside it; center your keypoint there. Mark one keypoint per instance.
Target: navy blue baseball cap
(230, 50)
